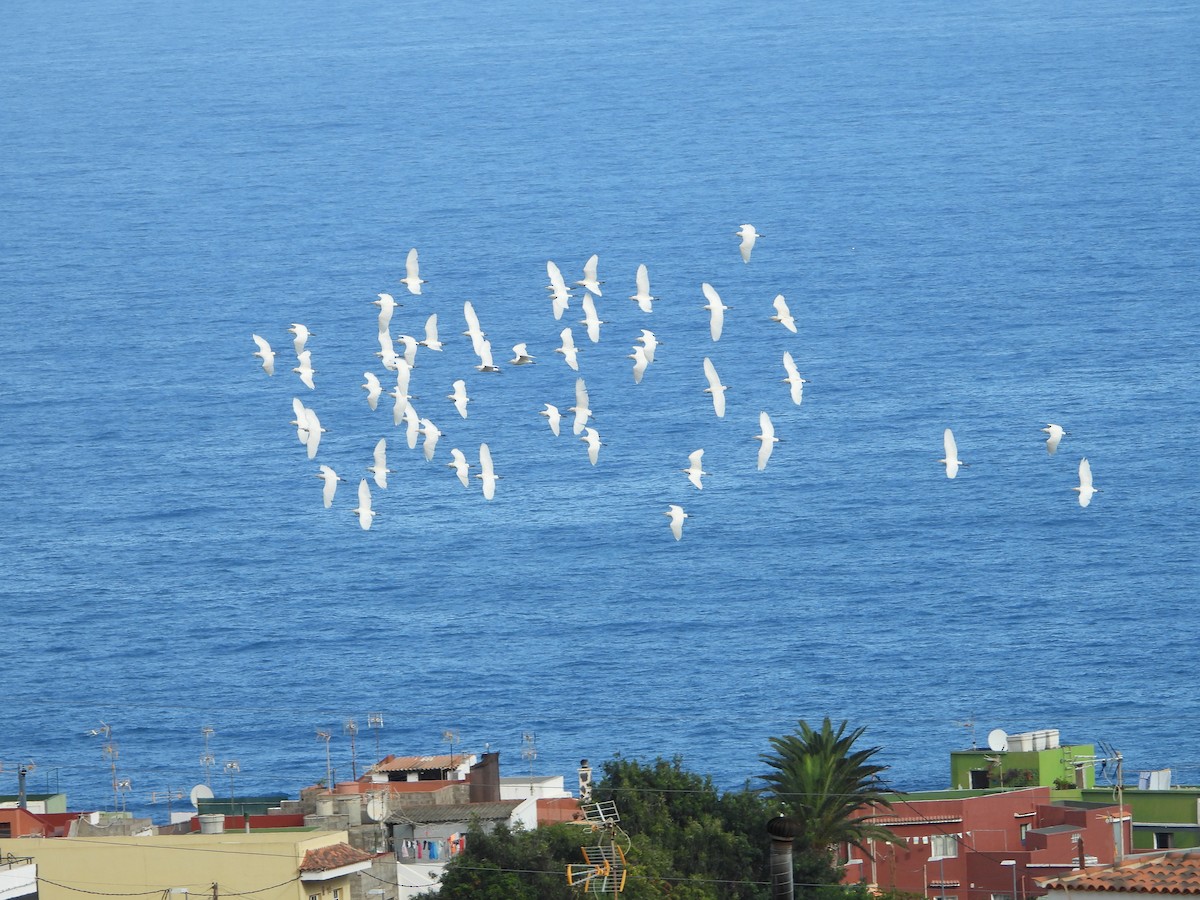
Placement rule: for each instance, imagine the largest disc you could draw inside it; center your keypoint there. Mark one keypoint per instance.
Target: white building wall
(18, 881)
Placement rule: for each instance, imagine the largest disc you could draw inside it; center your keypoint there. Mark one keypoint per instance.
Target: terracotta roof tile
(417, 763)
(1175, 872)
(333, 856)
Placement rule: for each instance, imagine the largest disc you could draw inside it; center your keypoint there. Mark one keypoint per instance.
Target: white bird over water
(951, 461)
(1085, 489)
(748, 236)
(768, 440)
(431, 341)
(401, 394)
(715, 388)
(459, 396)
(560, 293)
(412, 273)
(474, 332)
(639, 363)
(1056, 434)
(591, 319)
(373, 389)
(266, 354)
(302, 334)
(301, 420)
(643, 299)
(694, 471)
(650, 342)
(592, 438)
(521, 356)
(716, 310)
(387, 305)
(331, 480)
(387, 350)
(582, 407)
(314, 431)
(460, 466)
(793, 378)
(363, 510)
(305, 369)
(412, 426)
(486, 363)
(432, 434)
(380, 469)
(553, 416)
(568, 349)
(589, 276)
(783, 315)
(487, 472)
(676, 515)
(410, 348)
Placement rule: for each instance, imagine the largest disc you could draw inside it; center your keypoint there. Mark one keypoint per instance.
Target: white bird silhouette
(474, 332)
(1056, 434)
(694, 471)
(643, 299)
(412, 273)
(521, 356)
(266, 354)
(364, 512)
(314, 431)
(582, 407)
(459, 396)
(373, 389)
(768, 440)
(553, 416)
(952, 462)
(301, 420)
(412, 426)
(460, 466)
(639, 363)
(793, 378)
(403, 375)
(487, 472)
(331, 480)
(592, 438)
(387, 305)
(305, 369)
(387, 350)
(589, 276)
(650, 342)
(568, 349)
(676, 515)
(560, 293)
(486, 363)
(410, 348)
(432, 434)
(380, 469)
(591, 319)
(1085, 489)
(302, 334)
(783, 315)
(716, 310)
(431, 341)
(715, 388)
(748, 236)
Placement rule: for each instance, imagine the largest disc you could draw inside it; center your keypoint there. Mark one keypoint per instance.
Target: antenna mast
(207, 760)
(351, 728)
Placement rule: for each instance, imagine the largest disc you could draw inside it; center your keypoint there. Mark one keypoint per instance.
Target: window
(337, 894)
(5, 829)
(1002, 897)
(1163, 840)
(1024, 831)
(942, 845)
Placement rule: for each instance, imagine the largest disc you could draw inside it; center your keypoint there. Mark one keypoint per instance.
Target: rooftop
(420, 763)
(1173, 872)
(333, 856)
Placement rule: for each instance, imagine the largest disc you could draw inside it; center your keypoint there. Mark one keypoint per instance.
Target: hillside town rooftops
(1173, 872)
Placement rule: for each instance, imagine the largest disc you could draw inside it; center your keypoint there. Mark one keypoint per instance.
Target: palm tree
(827, 787)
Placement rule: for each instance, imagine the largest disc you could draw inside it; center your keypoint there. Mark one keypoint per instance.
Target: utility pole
(352, 730)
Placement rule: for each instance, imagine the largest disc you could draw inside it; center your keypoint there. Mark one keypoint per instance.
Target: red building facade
(986, 847)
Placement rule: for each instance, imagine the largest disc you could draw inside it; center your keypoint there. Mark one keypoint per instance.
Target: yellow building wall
(265, 866)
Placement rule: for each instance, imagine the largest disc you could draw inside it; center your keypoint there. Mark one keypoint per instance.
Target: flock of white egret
(400, 366)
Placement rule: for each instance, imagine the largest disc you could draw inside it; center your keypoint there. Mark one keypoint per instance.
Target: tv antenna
(450, 736)
(529, 753)
(207, 760)
(970, 723)
(326, 736)
(375, 723)
(232, 768)
(604, 870)
(351, 728)
(170, 794)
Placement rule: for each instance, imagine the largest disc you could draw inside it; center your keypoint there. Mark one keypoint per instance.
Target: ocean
(983, 218)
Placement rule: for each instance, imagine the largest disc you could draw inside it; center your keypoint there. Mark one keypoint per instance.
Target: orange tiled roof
(333, 856)
(1174, 872)
(416, 763)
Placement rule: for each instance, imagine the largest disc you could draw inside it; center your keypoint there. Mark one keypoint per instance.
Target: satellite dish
(998, 740)
(377, 808)
(200, 792)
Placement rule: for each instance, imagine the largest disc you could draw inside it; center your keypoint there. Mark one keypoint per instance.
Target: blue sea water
(983, 217)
